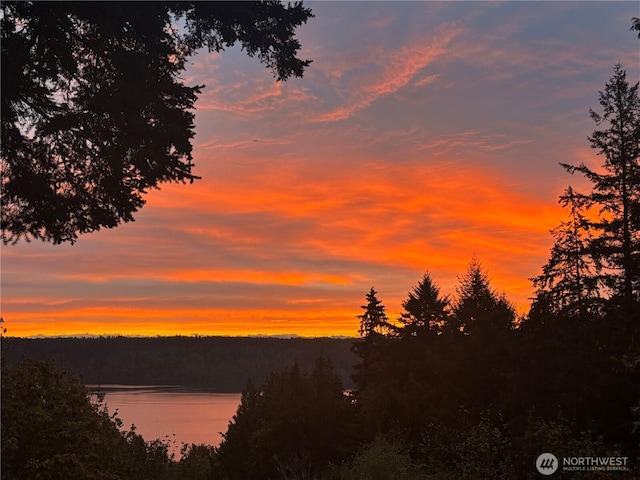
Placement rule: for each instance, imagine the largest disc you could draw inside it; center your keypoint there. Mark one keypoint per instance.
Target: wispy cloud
(384, 72)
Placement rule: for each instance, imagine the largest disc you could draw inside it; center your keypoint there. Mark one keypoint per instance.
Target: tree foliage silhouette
(616, 188)
(374, 375)
(479, 308)
(635, 25)
(374, 320)
(294, 418)
(568, 284)
(52, 429)
(426, 312)
(94, 112)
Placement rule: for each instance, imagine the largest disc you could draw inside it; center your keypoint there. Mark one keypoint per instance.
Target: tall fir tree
(479, 308)
(374, 320)
(426, 312)
(616, 189)
(568, 284)
(374, 376)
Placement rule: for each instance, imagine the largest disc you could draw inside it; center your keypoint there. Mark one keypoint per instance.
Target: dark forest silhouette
(218, 364)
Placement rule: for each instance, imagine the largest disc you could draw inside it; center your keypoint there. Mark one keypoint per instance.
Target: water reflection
(172, 412)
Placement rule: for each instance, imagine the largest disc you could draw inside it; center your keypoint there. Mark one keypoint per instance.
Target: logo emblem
(547, 464)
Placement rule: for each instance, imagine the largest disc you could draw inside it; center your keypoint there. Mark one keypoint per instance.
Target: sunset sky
(421, 135)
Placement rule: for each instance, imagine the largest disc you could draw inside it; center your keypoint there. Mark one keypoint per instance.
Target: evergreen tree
(294, 421)
(616, 189)
(479, 308)
(374, 376)
(374, 320)
(419, 355)
(475, 367)
(240, 434)
(426, 312)
(568, 284)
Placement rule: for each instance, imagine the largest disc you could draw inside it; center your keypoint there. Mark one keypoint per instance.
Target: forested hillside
(222, 364)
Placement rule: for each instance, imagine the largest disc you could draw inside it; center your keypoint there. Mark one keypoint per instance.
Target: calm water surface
(182, 415)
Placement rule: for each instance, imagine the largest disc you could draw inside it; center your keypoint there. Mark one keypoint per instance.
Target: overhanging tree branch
(94, 113)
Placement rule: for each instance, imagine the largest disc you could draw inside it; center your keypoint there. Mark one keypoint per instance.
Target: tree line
(218, 364)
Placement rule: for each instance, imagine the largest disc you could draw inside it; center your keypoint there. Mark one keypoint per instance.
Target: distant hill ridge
(221, 364)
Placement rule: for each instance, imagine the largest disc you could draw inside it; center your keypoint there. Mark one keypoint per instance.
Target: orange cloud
(410, 216)
(195, 275)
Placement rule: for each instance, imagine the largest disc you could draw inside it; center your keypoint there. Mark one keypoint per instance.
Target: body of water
(179, 414)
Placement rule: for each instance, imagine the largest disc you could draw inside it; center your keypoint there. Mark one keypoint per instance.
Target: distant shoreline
(214, 363)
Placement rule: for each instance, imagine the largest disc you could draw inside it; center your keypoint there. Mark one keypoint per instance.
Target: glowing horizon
(422, 134)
